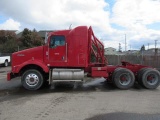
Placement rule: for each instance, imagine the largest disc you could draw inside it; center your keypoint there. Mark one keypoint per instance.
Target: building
(152, 51)
(131, 52)
(110, 51)
(42, 33)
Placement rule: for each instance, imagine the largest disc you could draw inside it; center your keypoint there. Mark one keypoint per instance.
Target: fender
(39, 63)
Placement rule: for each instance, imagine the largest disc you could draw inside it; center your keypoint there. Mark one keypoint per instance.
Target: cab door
(57, 50)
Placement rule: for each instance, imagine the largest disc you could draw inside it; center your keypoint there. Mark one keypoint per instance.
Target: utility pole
(155, 47)
(125, 44)
(120, 48)
(155, 43)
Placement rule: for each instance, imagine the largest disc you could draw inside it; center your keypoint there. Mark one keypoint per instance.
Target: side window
(57, 40)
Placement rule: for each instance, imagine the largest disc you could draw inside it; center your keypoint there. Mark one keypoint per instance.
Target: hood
(28, 54)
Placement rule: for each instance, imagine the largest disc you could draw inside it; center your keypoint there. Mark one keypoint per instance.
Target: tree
(142, 48)
(10, 46)
(8, 41)
(36, 39)
(26, 38)
(30, 39)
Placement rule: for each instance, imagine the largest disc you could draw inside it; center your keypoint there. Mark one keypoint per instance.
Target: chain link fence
(149, 60)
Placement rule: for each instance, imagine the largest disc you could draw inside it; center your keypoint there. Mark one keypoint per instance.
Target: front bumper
(10, 76)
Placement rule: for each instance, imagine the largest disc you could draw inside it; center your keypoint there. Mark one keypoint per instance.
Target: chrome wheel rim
(32, 80)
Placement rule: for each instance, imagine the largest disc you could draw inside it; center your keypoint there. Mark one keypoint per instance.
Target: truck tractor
(69, 56)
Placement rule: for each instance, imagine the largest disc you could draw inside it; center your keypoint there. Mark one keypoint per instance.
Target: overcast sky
(110, 19)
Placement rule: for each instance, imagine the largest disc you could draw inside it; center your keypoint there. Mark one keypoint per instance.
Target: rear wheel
(32, 79)
(139, 76)
(151, 78)
(123, 78)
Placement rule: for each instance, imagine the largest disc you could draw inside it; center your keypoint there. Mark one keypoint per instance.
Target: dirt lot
(93, 101)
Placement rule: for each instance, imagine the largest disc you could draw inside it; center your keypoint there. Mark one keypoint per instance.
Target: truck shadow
(125, 116)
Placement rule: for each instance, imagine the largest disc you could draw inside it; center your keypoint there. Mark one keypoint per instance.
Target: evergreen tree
(30, 39)
(36, 39)
(142, 48)
(26, 38)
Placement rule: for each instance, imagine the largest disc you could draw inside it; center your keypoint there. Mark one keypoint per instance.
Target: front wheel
(32, 79)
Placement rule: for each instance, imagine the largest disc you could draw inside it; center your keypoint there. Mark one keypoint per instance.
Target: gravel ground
(94, 101)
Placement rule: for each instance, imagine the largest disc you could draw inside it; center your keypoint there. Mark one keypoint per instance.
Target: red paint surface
(80, 43)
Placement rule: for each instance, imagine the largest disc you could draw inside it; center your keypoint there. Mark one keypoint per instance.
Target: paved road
(6, 85)
(93, 101)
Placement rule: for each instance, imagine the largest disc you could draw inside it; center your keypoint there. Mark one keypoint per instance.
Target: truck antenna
(70, 26)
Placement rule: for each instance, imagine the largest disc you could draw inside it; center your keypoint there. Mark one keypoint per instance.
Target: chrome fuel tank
(67, 74)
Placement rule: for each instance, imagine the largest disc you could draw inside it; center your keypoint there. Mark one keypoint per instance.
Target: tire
(140, 74)
(32, 79)
(6, 63)
(151, 79)
(123, 78)
(117, 69)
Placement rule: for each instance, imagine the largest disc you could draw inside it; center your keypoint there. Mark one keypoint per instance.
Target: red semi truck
(69, 55)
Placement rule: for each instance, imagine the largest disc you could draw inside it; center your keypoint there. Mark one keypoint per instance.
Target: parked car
(5, 60)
